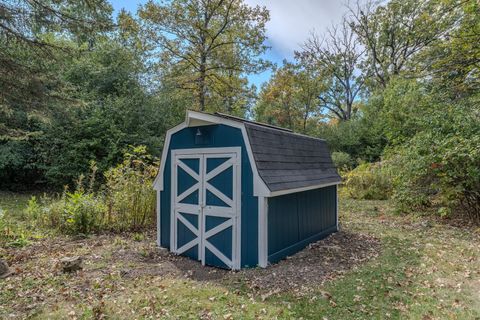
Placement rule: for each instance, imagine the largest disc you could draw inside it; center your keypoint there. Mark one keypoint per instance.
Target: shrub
(82, 213)
(342, 160)
(126, 202)
(130, 197)
(75, 212)
(360, 137)
(440, 167)
(3, 223)
(369, 181)
(13, 233)
(33, 209)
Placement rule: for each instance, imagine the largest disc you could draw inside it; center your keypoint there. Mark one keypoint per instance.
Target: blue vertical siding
(295, 220)
(216, 136)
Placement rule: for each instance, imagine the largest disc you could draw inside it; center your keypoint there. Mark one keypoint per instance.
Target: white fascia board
(288, 191)
(194, 118)
(197, 118)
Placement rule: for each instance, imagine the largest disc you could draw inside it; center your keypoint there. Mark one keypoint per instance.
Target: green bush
(75, 212)
(439, 167)
(125, 203)
(342, 160)
(360, 137)
(129, 193)
(13, 233)
(82, 213)
(369, 181)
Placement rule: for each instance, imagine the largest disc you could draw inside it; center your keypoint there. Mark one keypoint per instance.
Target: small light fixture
(199, 137)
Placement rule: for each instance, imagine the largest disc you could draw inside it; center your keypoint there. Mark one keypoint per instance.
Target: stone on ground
(4, 269)
(71, 264)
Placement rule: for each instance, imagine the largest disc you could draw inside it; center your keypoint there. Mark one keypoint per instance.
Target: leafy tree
(439, 167)
(289, 99)
(26, 46)
(36, 38)
(336, 58)
(362, 138)
(116, 111)
(206, 46)
(394, 33)
(453, 63)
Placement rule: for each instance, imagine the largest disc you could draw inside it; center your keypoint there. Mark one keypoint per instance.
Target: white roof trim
(287, 191)
(194, 119)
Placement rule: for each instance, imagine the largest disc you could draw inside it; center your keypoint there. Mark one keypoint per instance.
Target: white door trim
(234, 213)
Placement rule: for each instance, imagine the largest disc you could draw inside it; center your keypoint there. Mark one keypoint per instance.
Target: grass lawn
(416, 269)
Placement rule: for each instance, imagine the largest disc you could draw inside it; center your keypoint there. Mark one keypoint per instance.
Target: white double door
(206, 205)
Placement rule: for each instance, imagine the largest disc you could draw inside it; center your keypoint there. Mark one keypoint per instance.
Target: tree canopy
(394, 83)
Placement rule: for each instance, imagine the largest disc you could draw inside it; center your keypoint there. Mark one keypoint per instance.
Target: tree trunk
(201, 83)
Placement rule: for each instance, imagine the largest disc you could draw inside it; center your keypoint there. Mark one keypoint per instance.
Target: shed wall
(215, 136)
(297, 219)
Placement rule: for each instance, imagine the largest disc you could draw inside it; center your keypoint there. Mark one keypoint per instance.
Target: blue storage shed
(234, 193)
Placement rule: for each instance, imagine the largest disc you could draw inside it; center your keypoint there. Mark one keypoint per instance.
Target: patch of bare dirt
(109, 262)
(310, 268)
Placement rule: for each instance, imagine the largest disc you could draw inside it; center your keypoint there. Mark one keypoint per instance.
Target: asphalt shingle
(286, 160)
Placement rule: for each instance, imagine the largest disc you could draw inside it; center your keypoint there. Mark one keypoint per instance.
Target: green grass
(14, 203)
(15, 229)
(171, 299)
(424, 271)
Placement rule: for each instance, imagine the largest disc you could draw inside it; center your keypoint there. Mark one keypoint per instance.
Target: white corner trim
(173, 221)
(336, 204)
(159, 242)
(238, 217)
(262, 231)
(288, 191)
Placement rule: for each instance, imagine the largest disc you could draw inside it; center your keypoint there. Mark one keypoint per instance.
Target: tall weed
(129, 194)
(370, 181)
(126, 202)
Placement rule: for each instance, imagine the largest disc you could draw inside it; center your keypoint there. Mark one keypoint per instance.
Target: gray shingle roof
(286, 160)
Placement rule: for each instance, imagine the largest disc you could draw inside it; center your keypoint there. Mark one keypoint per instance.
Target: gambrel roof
(282, 161)
(286, 160)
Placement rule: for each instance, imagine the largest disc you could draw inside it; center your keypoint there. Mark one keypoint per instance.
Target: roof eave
(195, 118)
(295, 190)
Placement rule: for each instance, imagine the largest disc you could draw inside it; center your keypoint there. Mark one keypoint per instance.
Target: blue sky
(291, 22)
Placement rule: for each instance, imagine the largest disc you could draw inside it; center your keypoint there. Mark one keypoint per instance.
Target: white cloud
(291, 21)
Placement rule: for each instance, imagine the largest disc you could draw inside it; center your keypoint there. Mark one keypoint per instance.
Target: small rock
(4, 269)
(71, 264)
(326, 295)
